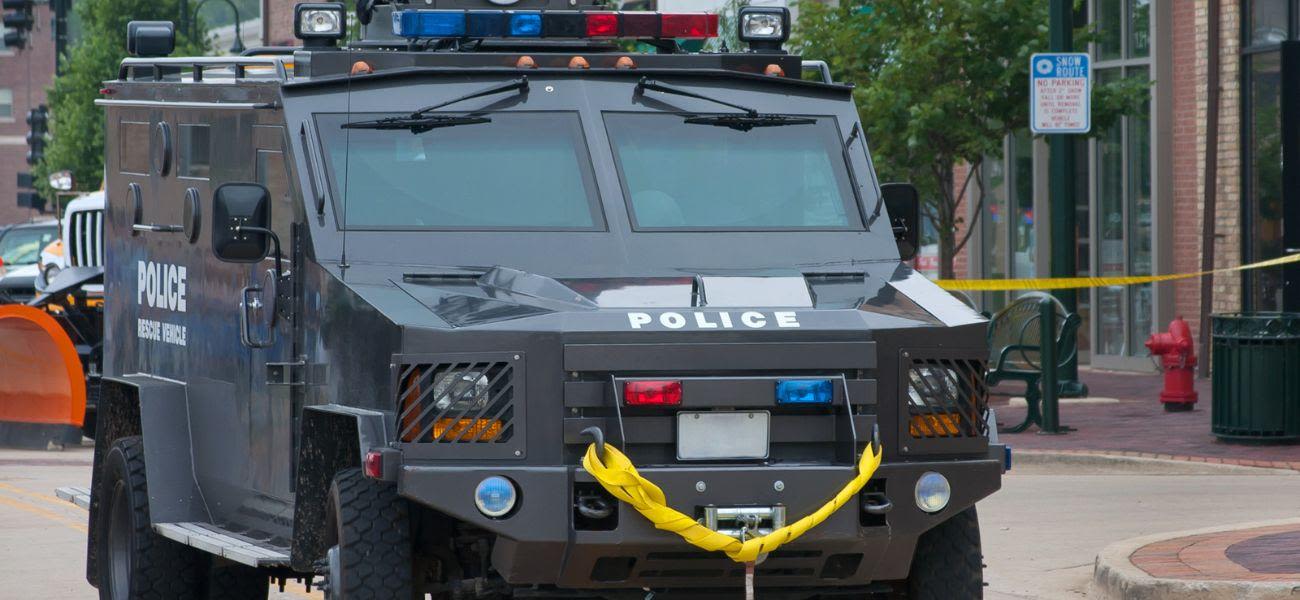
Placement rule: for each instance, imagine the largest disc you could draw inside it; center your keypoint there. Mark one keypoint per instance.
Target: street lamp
(238, 46)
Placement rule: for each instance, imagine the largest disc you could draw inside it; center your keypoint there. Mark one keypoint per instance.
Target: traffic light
(18, 20)
(38, 121)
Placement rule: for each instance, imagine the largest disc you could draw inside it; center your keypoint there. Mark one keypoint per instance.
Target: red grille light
(652, 393)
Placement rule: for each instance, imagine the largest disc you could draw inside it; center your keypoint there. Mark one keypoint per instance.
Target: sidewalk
(1259, 561)
(1136, 425)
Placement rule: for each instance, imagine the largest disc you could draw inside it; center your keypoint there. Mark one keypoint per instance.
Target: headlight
(932, 492)
(938, 385)
(495, 496)
(320, 21)
(461, 391)
(764, 27)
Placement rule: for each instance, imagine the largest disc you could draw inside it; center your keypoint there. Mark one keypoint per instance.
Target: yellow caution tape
(1068, 283)
(619, 477)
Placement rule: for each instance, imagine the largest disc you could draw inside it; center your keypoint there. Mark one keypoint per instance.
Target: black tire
(232, 581)
(948, 563)
(371, 534)
(134, 562)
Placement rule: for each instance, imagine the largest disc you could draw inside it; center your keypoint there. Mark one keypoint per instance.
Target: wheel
(370, 553)
(232, 581)
(948, 563)
(136, 563)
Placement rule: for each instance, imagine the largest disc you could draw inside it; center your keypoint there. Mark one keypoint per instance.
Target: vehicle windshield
(23, 246)
(682, 175)
(508, 170)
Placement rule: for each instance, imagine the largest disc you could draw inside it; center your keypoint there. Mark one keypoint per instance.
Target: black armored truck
(522, 299)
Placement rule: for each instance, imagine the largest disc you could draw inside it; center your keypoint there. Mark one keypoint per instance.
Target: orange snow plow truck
(51, 346)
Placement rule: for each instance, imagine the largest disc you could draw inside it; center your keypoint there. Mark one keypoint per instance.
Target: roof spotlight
(320, 24)
(764, 28)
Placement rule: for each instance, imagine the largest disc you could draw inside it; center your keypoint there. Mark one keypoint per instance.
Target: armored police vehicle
(489, 305)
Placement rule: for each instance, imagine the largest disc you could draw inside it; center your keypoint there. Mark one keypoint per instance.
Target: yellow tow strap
(620, 478)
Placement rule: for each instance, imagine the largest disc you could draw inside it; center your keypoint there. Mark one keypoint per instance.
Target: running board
(214, 540)
(76, 495)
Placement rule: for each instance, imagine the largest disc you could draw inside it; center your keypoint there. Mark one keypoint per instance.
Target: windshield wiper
(746, 120)
(418, 124)
(421, 121)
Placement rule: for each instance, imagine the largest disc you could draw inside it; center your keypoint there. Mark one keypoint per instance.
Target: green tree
(76, 124)
(940, 83)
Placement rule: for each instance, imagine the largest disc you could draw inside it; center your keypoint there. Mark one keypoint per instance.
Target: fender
(333, 438)
(174, 495)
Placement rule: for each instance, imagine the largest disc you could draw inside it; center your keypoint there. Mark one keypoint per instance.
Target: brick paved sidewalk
(1259, 554)
(1137, 425)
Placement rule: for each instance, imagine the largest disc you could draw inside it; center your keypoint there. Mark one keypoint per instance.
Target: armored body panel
(450, 263)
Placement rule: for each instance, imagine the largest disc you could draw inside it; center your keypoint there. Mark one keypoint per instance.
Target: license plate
(722, 435)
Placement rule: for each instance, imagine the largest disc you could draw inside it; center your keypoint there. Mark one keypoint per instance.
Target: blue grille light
(429, 23)
(526, 24)
(804, 391)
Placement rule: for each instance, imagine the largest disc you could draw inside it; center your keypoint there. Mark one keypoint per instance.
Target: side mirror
(903, 203)
(150, 38)
(241, 216)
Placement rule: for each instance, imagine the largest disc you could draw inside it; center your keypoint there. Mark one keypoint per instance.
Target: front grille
(86, 239)
(461, 406)
(946, 398)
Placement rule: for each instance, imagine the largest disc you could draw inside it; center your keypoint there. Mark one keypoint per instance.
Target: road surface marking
(42, 512)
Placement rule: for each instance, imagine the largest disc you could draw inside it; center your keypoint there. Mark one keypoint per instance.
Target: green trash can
(1256, 377)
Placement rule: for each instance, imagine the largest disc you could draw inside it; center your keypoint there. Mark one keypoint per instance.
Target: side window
(133, 148)
(272, 173)
(195, 151)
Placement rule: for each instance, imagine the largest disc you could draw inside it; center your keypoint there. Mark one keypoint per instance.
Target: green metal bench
(1018, 354)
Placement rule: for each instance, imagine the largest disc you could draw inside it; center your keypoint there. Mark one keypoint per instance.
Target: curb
(1114, 577)
(1120, 462)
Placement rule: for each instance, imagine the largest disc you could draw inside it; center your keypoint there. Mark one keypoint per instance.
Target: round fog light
(932, 492)
(495, 496)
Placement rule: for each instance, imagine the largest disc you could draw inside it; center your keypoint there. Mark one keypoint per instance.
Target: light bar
(427, 23)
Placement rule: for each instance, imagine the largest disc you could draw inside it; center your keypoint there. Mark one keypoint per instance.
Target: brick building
(277, 22)
(1141, 184)
(24, 76)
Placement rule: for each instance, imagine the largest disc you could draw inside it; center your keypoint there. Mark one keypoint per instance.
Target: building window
(1268, 25)
(1007, 235)
(1121, 238)
(6, 104)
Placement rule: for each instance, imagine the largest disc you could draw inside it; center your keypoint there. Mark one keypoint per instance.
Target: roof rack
(239, 66)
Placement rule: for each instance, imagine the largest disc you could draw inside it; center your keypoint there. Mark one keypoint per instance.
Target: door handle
(250, 299)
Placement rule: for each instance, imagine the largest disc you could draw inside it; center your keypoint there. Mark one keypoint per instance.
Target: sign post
(1063, 234)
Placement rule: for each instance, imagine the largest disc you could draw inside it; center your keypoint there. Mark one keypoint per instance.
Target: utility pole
(1061, 194)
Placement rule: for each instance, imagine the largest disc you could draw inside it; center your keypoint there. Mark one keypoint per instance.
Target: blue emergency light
(804, 391)
(429, 23)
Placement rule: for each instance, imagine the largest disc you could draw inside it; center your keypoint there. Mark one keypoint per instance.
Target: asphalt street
(1041, 532)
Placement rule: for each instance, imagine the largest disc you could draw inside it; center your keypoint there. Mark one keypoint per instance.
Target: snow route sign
(1060, 93)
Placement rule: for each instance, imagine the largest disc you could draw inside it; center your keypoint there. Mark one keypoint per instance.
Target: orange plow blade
(41, 380)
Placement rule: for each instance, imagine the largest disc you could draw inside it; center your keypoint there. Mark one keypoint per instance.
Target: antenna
(347, 168)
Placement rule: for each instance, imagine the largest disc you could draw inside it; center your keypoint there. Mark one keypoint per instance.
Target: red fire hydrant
(1177, 355)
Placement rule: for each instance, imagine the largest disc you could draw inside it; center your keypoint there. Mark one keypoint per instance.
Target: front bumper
(537, 544)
